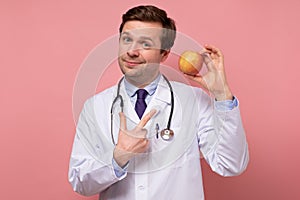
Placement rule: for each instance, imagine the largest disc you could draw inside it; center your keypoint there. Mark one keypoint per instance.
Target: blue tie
(140, 105)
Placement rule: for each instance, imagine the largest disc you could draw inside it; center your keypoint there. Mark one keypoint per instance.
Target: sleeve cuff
(119, 171)
(226, 105)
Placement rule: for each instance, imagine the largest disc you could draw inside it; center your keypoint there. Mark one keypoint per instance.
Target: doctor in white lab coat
(126, 157)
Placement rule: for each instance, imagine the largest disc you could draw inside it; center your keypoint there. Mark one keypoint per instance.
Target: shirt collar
(131, 89)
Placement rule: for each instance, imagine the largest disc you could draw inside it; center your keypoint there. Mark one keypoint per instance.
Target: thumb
(123, 125)
(197, 78)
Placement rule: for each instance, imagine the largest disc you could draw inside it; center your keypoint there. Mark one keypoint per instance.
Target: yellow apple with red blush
(190, 62)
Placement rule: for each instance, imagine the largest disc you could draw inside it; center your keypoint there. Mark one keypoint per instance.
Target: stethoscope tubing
(119, 96)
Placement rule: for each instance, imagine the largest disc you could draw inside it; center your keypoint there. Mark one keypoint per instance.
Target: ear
(164, 55)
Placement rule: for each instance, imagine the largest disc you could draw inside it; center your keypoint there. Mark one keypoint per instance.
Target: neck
(141, 82)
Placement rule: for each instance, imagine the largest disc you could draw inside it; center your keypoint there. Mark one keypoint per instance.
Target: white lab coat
(169, 169)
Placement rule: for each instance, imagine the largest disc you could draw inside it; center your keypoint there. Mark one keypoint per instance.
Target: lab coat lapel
(129, 110)
(161, 98)
(159, 101)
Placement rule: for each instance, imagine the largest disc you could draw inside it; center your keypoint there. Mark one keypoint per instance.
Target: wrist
(121, 157)
(224, 95)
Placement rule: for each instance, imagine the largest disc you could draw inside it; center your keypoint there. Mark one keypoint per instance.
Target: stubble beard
(139, 76)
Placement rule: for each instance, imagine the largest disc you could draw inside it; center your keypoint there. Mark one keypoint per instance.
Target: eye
(126, 39)
(146, 45)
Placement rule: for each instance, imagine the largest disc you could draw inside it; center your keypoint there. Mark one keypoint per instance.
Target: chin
(132, 70)
(133, 74)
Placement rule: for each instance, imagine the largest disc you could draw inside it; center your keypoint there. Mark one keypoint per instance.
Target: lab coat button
(141, 187)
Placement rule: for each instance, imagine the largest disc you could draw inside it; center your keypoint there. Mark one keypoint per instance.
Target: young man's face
(140, 51)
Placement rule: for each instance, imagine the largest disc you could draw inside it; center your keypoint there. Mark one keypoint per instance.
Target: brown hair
(153, 14)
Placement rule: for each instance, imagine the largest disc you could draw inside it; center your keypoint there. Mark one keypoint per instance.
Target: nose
(133, 51)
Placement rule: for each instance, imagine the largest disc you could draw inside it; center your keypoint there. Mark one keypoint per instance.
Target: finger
(143, 146)
(123, 125)
(216, 55)
(141, 134)
(146, 118)
(206, 54)
(191, 77)
(198, 78)
(204, 51)
(208, 61)
(214, 49)
(210, 48)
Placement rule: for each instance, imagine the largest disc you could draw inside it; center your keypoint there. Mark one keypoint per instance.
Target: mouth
(132, 63)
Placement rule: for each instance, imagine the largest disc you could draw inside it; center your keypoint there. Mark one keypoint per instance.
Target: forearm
(224, 144)
(230, 156)
(89, 176)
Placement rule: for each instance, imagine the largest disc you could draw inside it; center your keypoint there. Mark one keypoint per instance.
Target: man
(141, 164)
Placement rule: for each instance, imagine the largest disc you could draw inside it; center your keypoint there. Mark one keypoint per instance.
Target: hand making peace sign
(131, 142)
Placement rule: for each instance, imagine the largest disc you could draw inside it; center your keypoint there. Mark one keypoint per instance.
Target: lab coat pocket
(165, 153)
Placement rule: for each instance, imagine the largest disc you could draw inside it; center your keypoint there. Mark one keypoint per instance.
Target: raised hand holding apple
(215, 79)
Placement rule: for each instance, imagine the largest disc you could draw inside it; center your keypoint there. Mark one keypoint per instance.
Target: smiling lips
(130, 63)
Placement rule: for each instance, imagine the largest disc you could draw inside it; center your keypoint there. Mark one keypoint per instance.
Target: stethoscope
(166, 134)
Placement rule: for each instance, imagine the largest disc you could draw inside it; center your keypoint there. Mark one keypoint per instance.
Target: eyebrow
(142, 37)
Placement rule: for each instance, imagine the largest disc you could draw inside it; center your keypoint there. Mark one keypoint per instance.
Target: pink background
(43, 43)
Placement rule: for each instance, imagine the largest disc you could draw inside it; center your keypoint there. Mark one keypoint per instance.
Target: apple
(190, 62)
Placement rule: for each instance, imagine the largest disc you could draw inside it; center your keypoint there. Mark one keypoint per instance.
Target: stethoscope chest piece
(167, 134)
